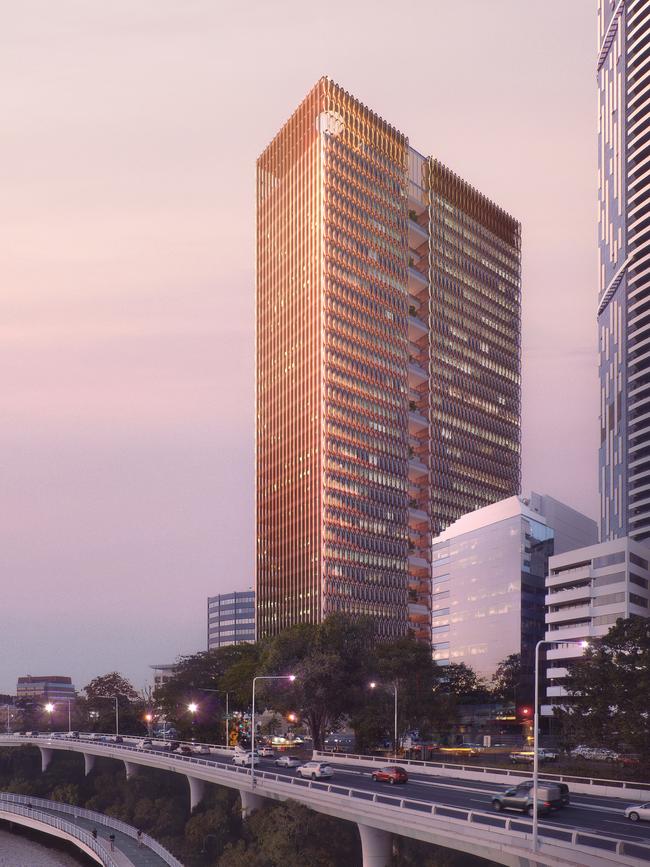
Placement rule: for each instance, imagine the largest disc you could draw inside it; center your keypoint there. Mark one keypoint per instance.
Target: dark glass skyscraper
(388, 395)
(624, 250)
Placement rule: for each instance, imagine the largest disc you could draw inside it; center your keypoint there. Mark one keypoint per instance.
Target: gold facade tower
(387, 370)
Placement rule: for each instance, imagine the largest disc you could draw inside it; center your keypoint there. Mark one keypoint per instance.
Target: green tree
(109, 686)
(66, 793)
(331, 662)
(204, 678)
(610, 688)
(405, 664)
(461, 680)
(513, 680)
(290, 835)
(98, 702)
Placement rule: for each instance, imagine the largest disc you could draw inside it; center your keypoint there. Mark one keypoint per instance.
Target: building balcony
(417, 376)
(417, 234)
(417, 328)
(418, 565)
(568, 614)
(571, 594)
(556, 672)
(420, 538)
(571, 576)
(575, 632)
(556, 692)
(564, 651)
(418, 518)
(419, 612)
(416, 280)
(417, 422)
(417, 470)
(417, 199)
(421, 587)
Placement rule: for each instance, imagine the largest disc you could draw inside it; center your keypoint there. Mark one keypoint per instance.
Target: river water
(19, 851)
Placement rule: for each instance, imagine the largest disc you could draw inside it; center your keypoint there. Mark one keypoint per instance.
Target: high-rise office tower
(624, 251)
(388, 391)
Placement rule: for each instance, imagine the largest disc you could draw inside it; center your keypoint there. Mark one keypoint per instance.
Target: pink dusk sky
(130, 130)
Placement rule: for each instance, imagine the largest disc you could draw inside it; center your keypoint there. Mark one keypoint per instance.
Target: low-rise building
(231, 618)
(163, 673)
(587, 591)
(489, 568)
(45, 688)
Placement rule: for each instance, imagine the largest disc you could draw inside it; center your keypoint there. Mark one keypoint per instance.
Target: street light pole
(117, 715)
(535, 741)
(69, 717)
(373, 685)
(395, 741)
(548, 642)
(290, 677)
(205, 689)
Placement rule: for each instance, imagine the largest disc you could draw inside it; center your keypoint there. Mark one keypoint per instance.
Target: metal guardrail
(579, 840)
(576, 839)
(97, 818)
(68, 827)
(483, 769)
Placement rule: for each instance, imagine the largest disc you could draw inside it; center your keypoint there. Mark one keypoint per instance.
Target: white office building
(489, 569)
(587, 591)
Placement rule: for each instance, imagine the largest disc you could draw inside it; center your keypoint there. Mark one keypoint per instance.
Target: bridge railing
(478, 770)
(67, 827)
(492, 822)
(97, 818)
(517, 828)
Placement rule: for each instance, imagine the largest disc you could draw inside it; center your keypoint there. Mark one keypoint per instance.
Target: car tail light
(547, 803)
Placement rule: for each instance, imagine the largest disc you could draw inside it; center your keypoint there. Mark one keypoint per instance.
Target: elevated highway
(445, 810)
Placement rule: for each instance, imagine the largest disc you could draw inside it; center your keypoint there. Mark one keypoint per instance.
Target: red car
(391, 774)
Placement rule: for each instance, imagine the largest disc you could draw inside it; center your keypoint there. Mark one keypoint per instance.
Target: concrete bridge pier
(249, 803)
(46, 758)
(131, 769)
(197, 789)
(89, 763)
(376, 846)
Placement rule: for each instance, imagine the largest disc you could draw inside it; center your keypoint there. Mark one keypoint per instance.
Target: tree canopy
(331, 664)
(610, 690)
(513, 680)
(204, 678)
(109, 686)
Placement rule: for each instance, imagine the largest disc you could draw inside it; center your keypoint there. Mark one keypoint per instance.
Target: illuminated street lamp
(148, 718)
(193, 709)
(290, 677)
(549, 642)
(373, 685)
(49, 709)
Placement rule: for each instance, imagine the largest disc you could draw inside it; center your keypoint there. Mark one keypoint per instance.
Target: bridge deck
(126, 852)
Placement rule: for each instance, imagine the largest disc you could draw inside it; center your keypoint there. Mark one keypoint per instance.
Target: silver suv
(520, 797)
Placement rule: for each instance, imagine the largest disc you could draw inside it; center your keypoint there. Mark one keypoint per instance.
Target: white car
(266, 752)
(638, 811)
(315, 770)
(201, 749)
(288, 761)
(245, 759)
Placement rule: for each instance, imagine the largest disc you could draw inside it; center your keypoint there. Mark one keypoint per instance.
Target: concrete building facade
(587, 591)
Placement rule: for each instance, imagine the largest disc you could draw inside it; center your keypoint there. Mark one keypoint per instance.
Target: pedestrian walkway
(126, 850)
